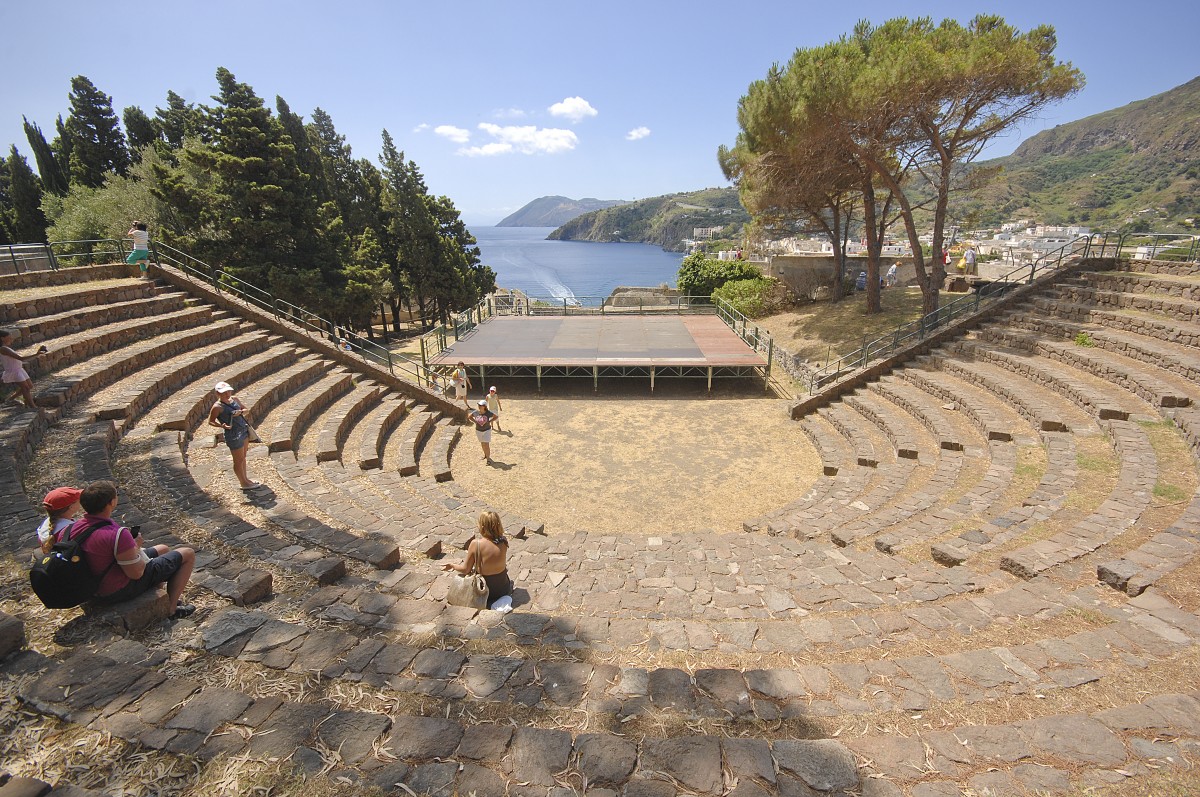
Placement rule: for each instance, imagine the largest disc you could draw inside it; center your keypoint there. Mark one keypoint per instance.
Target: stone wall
(74, 274)
(811, 276)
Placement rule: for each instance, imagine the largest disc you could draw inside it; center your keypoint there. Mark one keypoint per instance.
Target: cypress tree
(61, 147)
(97, 144)
(54, 178)
(178, 120)
(255, 208)
(307, 159)
(141, 129)
(5, 202)
(26, 222)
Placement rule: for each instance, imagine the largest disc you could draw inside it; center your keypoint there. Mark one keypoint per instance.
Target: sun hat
(223, 387)
(61, 497)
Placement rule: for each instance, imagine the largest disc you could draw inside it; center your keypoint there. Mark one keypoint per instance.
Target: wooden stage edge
(697, 346)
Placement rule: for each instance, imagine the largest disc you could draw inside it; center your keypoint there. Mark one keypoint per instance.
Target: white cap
(492, 389)
(223, 387)
(483, 402)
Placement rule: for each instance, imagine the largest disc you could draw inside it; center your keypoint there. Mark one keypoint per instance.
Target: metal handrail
(913, 331)
(224, 282)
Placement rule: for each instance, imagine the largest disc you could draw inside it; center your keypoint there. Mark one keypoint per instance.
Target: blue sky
(502, 102)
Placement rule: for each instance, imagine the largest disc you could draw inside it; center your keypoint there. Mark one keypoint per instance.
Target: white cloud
(455, 134)
(574, 109)
(527, 140)
(508, 113)
(421, 128)
(636, 133)
(494, 148)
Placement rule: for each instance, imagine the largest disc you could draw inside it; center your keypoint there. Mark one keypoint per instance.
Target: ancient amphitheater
(991, 589)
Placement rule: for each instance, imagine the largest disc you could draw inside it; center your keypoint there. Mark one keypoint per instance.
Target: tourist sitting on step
(487, 554)
(116, 553)
(228, 413)
(61, 506)
(14, 366)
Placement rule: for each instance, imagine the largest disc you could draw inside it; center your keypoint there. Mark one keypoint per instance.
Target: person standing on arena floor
(126, 568)
(482, 418)
(227, 413)
(141, 246)
(462, 383)
(493, 405)
(14, 366)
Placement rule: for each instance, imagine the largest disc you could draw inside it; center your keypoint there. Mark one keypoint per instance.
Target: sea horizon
(584, 272)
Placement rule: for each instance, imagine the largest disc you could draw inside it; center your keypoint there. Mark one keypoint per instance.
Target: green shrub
(700, 276)
(1084, 339)
(754, 298)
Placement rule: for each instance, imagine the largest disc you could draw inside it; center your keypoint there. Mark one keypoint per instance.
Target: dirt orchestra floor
(623, 461)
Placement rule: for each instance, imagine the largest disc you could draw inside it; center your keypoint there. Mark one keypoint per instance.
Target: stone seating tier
(374, 429)
(342, 417)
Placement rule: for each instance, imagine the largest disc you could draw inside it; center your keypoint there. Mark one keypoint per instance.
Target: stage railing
(443, 336)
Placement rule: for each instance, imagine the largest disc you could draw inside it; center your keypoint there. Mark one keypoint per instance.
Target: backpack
(62, 579)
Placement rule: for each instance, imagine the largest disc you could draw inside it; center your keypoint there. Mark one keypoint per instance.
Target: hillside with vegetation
(662, 220)
(1135, 167)
(553, 211)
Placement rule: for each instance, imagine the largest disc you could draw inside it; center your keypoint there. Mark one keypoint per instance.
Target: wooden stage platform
(701, 346)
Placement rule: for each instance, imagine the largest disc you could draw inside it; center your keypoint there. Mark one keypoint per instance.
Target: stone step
(1100, 401)
(410, 436)
(129, 399)
(374, 430)
(142, 303)
(60, 299)
(75, 348)
(1145, 323)
(186, 410)
(442, 440)
(1149, 380)
(66, 386)
(287, 421)
(342, 416)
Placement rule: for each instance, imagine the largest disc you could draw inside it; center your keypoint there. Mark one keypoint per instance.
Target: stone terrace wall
(74, 274)
(320, 346)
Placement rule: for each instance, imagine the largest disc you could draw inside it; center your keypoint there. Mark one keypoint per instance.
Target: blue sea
(579, 271)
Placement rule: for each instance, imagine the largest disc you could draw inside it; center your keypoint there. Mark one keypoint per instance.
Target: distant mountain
(662, 220)
(553, 211)
(1136, 165)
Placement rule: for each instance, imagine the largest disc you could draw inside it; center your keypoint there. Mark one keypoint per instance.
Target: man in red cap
(61, 506)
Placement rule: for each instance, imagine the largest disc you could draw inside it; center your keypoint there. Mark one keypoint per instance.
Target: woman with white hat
(228, 414)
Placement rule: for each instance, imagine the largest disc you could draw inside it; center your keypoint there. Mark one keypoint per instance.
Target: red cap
(61, 498)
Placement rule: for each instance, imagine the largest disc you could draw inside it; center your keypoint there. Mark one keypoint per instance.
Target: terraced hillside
(990, 590)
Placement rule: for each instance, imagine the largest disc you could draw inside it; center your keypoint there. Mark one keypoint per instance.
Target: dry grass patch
(828, 330)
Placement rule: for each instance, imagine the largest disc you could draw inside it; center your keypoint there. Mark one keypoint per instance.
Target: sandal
(183, 610)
